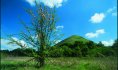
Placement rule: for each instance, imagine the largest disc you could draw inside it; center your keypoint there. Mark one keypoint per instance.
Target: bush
(4, 55)
(77, 52)
(56, 52)
(84, 50)
(67, 51)
(23, 52)
(101, 52)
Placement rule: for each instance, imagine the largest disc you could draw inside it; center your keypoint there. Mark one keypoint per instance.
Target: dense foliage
(76, 48)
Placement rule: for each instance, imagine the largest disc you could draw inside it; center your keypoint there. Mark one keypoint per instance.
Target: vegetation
(79, 47)
(40, 33)
(73, 53)
(62, 63)
(80, 55)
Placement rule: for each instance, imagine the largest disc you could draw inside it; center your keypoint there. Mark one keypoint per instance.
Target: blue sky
(95, 20)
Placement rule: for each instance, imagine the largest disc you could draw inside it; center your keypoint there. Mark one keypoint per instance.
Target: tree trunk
(41, 58)
(41, 50)
(42, 61)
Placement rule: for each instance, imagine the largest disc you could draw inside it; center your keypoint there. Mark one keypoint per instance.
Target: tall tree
(41, 32)
(100, 44)
(115, 44)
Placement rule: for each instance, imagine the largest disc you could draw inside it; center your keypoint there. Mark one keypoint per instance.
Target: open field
(62, 63)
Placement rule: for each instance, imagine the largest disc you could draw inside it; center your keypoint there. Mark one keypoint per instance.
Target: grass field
(62, 63)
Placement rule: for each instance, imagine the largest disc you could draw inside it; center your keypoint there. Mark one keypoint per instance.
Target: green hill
(72, 39)
(78, 46)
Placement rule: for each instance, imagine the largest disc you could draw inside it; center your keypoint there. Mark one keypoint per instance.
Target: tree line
(78, 49)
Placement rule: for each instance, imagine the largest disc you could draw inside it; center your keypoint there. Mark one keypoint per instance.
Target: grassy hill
(79, 46)
(72, 39)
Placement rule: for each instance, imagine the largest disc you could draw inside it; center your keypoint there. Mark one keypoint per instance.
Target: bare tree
(41, 32)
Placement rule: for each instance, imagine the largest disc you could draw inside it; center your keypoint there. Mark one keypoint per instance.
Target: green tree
(115, 46)
(56, 52)
(40, 33)
(84, 50)
(100, 44)
(77, 51)
(90, 44)
(67, 51)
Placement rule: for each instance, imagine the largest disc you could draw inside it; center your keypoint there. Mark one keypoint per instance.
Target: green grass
(62, 63)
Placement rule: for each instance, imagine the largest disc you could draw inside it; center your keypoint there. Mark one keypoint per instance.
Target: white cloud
(112, 11)
(91, 35)
(97, 17)
(49, 3)
(52, 3)
(20, 41)
(100, 31)
(114, 14)
(96, 34)
(108, 43)
(109, 10)
(57, 41)
(5, 45)
(31, 2)
(60, 27)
